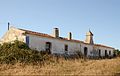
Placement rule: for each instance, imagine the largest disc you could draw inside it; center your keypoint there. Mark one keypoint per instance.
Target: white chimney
(69, 36)
(56, 32)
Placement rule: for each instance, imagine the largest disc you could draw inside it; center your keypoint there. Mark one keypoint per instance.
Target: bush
(117, 53)
(20, 52)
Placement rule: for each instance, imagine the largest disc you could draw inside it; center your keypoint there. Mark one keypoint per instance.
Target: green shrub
(117, 52)
(19, 51)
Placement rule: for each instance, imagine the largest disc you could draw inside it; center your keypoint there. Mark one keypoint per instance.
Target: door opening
(48, 47)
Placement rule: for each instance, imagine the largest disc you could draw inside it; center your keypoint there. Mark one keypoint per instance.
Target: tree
(117, 52)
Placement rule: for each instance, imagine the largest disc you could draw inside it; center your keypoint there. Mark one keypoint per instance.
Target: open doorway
(85, 51)
(99, 53)
(48, 47)
(106, 53)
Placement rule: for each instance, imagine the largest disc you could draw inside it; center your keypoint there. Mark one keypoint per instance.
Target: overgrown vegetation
(117, 51)
(20, 52)
(107, 67)
(17, 51)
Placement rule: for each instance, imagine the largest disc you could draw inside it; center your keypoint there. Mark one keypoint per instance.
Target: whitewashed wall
(103, 50)
(12, 35)
(38, 43)
(89, 47)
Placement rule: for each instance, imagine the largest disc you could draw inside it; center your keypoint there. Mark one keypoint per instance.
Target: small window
(27, 40)
(66, 47)
(109, 52)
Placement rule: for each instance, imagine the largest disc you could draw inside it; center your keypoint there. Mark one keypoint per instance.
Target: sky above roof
(102, 17)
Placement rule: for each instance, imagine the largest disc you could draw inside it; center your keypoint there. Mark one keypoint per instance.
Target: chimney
(56, 32)
(89, 37)
(8, 25)
(69, 36)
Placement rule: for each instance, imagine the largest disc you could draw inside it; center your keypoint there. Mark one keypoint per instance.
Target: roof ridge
(62, 38)
(103, 46)
(47, 35)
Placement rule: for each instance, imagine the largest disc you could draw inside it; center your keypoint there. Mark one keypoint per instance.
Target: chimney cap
(89, 33)
(56, 28)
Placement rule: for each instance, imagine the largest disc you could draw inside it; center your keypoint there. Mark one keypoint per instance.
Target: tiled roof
(49, 36)
(37, 33)
(60, 38)
(103, 46)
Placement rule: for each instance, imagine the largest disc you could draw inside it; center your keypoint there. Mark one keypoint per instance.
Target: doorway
(48, 47)
(106, 53)
(99, 52)
(85, 51)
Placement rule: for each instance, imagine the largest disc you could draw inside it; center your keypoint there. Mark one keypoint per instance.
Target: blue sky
(76, 16)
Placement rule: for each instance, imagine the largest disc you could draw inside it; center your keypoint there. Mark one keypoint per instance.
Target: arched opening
(85, 51)
(105, 53)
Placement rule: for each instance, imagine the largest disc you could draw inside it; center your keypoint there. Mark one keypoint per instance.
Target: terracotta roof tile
(49, 36)
(60, 38)
(103, 46)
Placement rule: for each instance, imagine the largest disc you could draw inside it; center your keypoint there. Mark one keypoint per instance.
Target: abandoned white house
(55, 44)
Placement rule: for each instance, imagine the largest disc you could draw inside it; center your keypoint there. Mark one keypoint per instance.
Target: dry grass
(65, 67)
